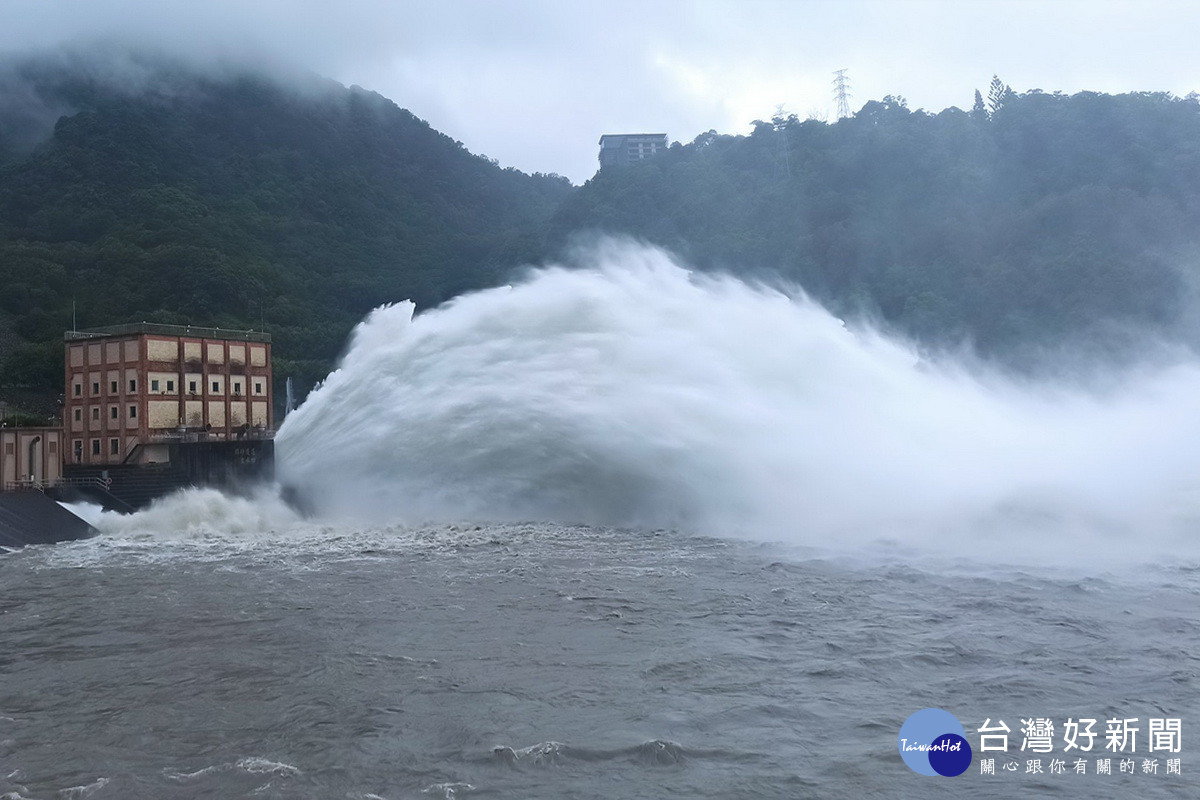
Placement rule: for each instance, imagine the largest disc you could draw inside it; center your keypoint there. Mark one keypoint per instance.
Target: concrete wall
(16, 447)
(163, 413)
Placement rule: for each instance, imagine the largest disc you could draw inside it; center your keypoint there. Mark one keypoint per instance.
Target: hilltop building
(629, 148)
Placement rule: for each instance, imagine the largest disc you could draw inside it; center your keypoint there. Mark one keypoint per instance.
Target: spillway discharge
(631, 391)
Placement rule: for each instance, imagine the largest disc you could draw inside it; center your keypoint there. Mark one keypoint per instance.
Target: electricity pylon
(841, 90)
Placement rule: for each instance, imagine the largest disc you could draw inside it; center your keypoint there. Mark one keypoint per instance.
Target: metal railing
(167, 330)
(30, 485)
(187, 436)
(35, 485)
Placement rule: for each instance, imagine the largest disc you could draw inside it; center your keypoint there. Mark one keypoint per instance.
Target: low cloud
(533, 83)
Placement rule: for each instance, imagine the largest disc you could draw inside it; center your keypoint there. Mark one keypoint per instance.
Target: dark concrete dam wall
(33, 518)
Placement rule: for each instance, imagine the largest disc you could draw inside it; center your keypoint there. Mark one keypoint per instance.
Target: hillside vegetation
(1033, 220)
(240, 203)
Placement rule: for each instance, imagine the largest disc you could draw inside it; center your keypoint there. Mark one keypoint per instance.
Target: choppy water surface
(540, 661)
(221, 648)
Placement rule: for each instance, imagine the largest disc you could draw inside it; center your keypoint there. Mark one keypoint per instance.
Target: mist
(38, 87)
(633, 392)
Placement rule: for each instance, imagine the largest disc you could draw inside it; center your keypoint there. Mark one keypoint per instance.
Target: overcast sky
(533, 83)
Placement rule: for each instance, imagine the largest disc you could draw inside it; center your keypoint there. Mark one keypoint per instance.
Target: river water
(543, 661)
(621, 531)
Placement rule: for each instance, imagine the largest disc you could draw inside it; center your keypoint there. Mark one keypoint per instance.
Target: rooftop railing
(192, 331)
(249, 434)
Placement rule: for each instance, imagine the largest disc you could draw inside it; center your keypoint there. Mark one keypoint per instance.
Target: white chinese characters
(1122, 737)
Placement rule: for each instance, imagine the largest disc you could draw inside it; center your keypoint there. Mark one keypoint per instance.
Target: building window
(237, 387)
(95, 388)
(154, 385)
(79, 415)
(78, 389)
(133, 384)
(170, 386)
(77, 445)
(112, 388)
(257, 387)
(112, 412)
(192, 387)
(95, 412)
(53, 447)
(95, 447)
(133, 412)
(216, 386)
(9, 448)
(114, 447)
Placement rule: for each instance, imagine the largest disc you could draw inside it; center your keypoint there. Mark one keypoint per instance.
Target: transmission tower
(841, 90)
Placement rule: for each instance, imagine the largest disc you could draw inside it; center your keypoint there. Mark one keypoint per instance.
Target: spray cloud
(633, 392)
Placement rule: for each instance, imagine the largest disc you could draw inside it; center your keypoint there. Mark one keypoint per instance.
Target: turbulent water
(622, 531)
(636, 393)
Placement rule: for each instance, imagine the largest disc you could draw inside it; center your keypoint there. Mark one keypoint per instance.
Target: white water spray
(636, 393)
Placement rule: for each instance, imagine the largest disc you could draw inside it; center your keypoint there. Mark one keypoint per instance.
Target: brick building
(132, 390)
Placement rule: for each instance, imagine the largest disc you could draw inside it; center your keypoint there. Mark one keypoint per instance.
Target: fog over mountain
(136, 186)
(532, 83)
(227, 197)
(1033, 222)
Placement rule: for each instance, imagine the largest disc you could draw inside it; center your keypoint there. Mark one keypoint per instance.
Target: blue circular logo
(933, 742)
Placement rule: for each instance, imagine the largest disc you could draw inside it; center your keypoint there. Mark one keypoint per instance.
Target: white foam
(200, 773)
(199, 513)
(88, 512)
(448, 791)
(262, 766)
(633, 392)
(87, 790)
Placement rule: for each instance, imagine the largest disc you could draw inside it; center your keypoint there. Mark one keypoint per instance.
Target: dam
(147, 409)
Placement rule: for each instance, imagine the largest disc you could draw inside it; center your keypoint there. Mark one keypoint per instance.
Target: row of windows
(114, 447)
(165, 352)
(112, 413)
(112, 387)
(168, 385)
(10, 447)
(216, 387)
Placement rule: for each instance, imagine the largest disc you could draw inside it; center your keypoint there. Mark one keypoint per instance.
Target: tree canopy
(1041, 220)
(1032, 220)
(242, 203)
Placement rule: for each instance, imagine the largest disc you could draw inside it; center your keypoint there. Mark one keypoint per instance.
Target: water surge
(632, 391)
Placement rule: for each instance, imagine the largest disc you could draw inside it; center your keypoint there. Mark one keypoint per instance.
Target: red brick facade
(131, 388)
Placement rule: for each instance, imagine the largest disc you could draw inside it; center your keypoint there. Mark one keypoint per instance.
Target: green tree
(979, 111)
(998, 94)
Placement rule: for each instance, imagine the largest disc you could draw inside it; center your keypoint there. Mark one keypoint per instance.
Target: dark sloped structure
(33, 518)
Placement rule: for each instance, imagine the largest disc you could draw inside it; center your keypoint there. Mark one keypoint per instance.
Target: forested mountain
(239, 202)
(1033, 220)
(163, 194)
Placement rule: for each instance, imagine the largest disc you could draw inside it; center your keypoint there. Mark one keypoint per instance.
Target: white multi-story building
(629, 148)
